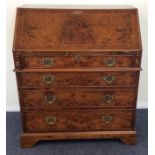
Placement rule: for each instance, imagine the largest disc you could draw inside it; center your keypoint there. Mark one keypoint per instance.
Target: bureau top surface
(54, 29)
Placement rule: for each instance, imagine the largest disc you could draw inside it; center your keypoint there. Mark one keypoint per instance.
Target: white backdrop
(12, 96)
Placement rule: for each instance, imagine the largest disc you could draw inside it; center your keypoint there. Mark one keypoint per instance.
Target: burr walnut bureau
(77, 73)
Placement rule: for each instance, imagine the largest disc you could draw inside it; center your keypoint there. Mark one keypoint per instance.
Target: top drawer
(79, 61)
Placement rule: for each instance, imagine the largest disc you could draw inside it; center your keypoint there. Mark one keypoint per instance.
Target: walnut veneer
(77, 73)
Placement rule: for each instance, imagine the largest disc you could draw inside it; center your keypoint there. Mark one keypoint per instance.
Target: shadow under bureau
(77, 73)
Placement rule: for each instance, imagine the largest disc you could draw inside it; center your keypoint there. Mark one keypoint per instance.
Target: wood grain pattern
(80, 97)
(30, 139)
(64, 29)
(78, 79)
(86, 120)
(77, 61)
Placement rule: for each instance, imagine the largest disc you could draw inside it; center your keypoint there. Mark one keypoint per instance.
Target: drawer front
(77, 61)
(78, 120)
(79, 97)
(78, 79)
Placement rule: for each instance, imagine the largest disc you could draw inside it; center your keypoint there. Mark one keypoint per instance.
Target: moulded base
(30, 139)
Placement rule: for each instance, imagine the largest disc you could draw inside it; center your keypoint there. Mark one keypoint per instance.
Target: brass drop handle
(108, 99)
(109, 78)
(50, 99)
(51, 120)
(110, 62)
(48, 79)
(48, 62)
(107, 118)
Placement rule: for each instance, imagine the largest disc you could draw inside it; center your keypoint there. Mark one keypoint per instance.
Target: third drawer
(80, 97)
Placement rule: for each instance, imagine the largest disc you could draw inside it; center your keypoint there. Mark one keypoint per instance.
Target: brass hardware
(110, 62)
(107, 118)
(50, 99)
(48, 79)
(108, 98)
(51, 120)
(48, 62)
(109, 78)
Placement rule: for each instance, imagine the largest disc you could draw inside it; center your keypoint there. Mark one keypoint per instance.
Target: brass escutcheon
(48, 79)
(108, 98)
(49, 99)
(48, 62)
(109, 78)
(110, 62)
(51, 120)
(107, 118)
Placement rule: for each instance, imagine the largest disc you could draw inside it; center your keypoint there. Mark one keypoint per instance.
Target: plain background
(11, 89)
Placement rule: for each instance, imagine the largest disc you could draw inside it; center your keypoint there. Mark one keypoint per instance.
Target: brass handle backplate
(49, 99)
(48, 62)
(110, 62)
(48, 79)
(107, 118)
(108, 99)
(109, 78)
(51, 120)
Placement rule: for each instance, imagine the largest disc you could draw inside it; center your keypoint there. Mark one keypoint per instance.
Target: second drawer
(71, 79)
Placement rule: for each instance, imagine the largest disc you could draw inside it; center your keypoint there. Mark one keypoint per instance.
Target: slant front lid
(79, 29)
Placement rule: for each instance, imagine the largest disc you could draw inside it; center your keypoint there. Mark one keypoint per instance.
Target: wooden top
(47, 29)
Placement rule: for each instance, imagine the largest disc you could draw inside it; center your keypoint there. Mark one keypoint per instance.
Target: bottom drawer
(45, 121)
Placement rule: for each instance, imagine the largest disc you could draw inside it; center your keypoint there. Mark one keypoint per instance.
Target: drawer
(70, 79)
(76, 61)
(43, 121)
(79, 97)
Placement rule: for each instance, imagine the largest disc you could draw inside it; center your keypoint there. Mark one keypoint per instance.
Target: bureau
(77, 73)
